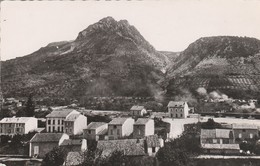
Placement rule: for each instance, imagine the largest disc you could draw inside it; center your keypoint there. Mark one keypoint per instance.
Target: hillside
(108, 58)
(218, 63)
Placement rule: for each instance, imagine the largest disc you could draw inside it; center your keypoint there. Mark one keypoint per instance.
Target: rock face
(107, 58)
(222, 63)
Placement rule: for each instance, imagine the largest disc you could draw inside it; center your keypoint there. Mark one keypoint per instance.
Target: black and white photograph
(130, 83)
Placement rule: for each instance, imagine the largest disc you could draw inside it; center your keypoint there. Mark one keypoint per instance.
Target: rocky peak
(107, 24)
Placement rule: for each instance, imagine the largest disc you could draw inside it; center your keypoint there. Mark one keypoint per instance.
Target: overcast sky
(168, 25)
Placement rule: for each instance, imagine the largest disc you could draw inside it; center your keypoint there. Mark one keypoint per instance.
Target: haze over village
(130, 83)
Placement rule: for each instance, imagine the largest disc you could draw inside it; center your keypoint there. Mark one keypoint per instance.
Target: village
(138, 132)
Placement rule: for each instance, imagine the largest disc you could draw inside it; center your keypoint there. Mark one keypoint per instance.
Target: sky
(169, 25)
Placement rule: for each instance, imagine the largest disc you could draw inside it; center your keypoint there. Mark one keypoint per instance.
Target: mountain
(108, 58)
(218, 63)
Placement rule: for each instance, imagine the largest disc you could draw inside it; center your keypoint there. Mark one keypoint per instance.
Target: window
(239, 135)
(70, 130)
(153, 149)
(58, 121)
(53, 121)
(66, 130)
(215, 141)
(17, 130)
(49, 122)
(58, 129)
(49, 129)
(89, 131)
(181, 115)
(118, 132)
(251, 135)
(244, 130)
(61, 128)
(53, 129)
(10, 125)
(139, 132)
(36, 150)
(62, 121)
(176, 115)
(114, 126)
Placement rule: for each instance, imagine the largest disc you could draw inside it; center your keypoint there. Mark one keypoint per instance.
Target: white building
(19, 125)
(95, 131)
(178, 109)
(143, 127)
(75, 123)
(55, 120)
(138, 110)
(120, 127)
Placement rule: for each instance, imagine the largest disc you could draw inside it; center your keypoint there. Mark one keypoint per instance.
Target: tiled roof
(118, 121)
(244, 126)
(137, 108)
(141, 121)
(130, 147)
(72, 117)
(176, 104)
(95, 125)
(16, 120)
(59, 113)
(71, 142)
(74, 158)
(152, 141)
(221, 146)
(47, 137)
(215, 133)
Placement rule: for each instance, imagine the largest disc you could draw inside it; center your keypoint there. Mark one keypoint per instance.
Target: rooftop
(244, 126)
(118, 121)
(71, 142)
(95, 125)
(16, 120)
(59, 113)
(46, 137)
(221, 146)
(72, 117)
(137, 108)
(142, 121)
(176, 104)
(130, 147)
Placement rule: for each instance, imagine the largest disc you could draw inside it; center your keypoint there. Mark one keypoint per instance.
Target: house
(19, 125)
(245, 131)
(217, 136)
(74, 145)
(74, 159)
(143, 127)
(178, 109)
(130, 147)
(218, 141)
(66, 121)
(153, 144)
(120, 127)
(137, 110)
(42, 143)
(75, 123)
(95, 131)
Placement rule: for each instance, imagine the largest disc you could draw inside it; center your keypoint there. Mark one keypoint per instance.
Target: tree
(210, 124)
(30, 106)
(55, 157)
